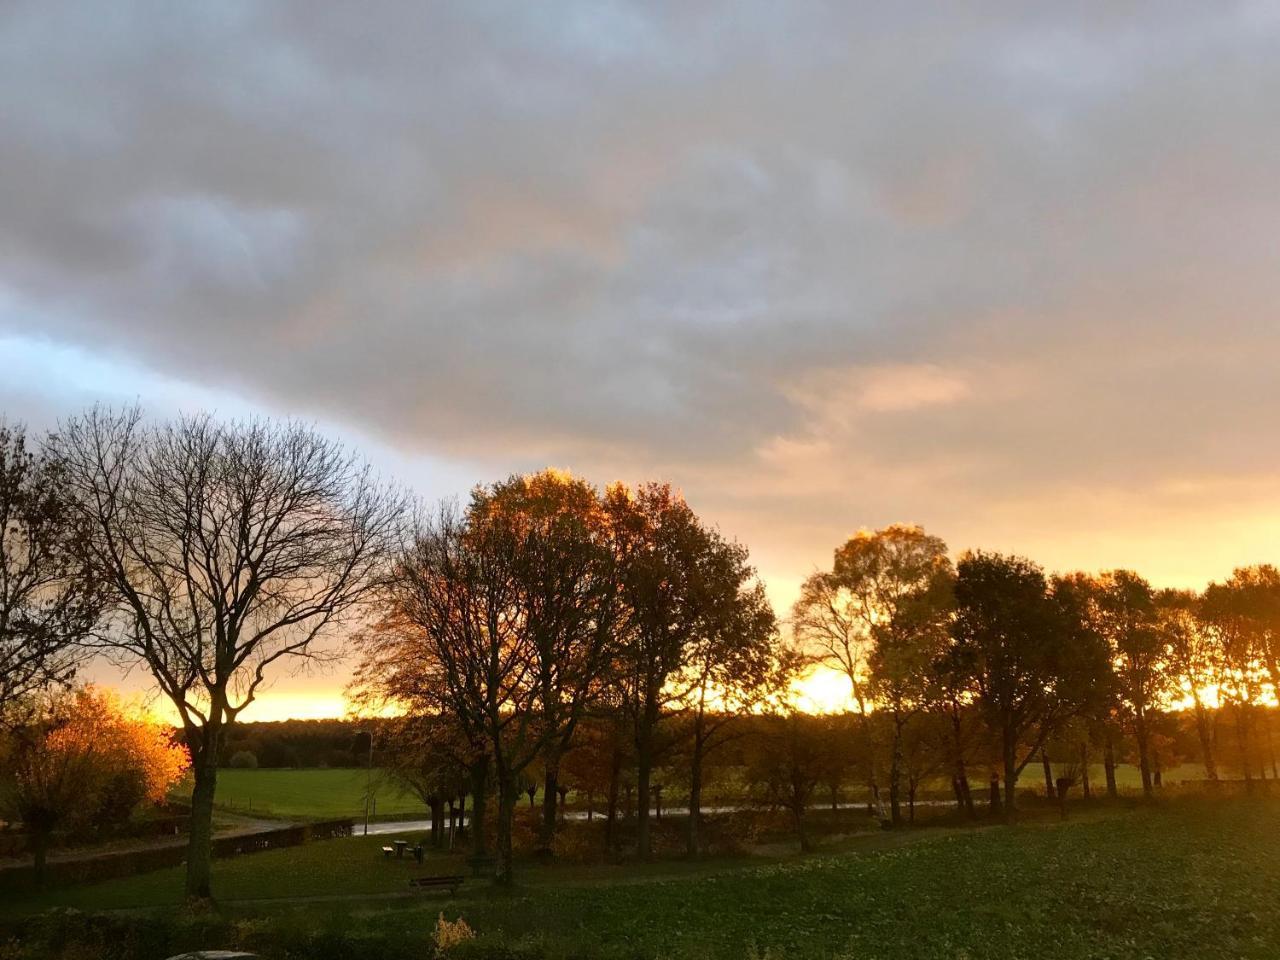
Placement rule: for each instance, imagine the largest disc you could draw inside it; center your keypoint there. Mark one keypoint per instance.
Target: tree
(1228, 612)
(732, 665)
(564, 571)
(1127, 619)
(1194, 660)
(1030, 655)
(787, 763)
(82, 760)
(827, 625)
(671, 576)
(227, 548)
(450, 644)
(1257, 591)
(903, 580)
(424, 754)
(49, 601)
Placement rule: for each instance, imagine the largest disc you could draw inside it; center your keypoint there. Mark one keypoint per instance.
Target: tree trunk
(1109, 764)
(964, 795)
(507, 798)
(1206, 739)
(1049, 790)
(200, 840)
(911, 801)
(873, 785)
(1271, 746)
(39, 855)
(1084, 770)
(692, 840)
(611, 811)
(437, 821)
(797, 816)
(1010, 777)
(994, 806)
(1144, 754)
(462, 814)
(479, 829)
(644, 771)
(895, 771)
(1242, 735)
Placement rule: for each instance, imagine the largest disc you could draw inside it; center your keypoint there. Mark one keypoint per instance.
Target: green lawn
(1190, 879)
(311, 794)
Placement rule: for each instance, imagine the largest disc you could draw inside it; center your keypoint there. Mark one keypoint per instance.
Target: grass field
(328, 794)
(1189, 879)
(311, 794)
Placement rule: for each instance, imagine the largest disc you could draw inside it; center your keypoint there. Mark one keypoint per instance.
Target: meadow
(326, 794)
(312, 794)
(1189, 878)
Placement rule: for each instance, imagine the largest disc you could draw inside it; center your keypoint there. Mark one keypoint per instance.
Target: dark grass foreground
(1191, 879)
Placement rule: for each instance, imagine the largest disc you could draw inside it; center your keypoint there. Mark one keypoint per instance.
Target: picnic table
(399, 848)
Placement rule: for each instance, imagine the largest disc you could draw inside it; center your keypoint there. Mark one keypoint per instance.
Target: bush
(244, 760)
(449, 934)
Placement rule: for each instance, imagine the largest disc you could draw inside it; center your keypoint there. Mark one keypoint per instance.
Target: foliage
(1029, 654)
(83, 761)
(49, 600)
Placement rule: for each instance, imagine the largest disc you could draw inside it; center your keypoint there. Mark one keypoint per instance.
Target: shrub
(449, 935)
(244, 760)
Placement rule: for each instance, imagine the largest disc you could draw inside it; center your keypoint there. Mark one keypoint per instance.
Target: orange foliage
(90, 758)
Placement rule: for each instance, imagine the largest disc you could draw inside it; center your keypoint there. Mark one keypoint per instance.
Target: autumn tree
(453, 642)
(1257, 590)
(227, 549)
(1228, 612)
(732, 664)
(902, 579)
(667, 559)
(1127, 620)
(424, 755)
(1194, 660)
(49, 600)
(564, 571)
(82, 760)
(1030, 656)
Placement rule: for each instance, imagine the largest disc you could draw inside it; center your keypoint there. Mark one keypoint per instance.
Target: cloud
(825, 265)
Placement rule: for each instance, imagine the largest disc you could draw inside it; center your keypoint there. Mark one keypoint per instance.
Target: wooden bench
(438, 882)
(388, 852)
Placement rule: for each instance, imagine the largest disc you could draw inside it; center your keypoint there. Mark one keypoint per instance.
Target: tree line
(545, 623)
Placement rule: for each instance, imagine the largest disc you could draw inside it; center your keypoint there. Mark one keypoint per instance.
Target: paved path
(419, 826)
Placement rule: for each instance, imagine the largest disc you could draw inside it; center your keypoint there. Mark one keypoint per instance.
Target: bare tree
(228, 548)
(49, 601)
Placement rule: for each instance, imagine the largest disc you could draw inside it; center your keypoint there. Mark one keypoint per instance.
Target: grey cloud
(621, 235)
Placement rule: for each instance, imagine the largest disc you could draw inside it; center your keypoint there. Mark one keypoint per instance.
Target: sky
(1010, 271)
